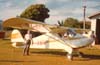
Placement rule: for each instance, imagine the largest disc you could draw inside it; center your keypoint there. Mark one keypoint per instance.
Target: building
(95, 25)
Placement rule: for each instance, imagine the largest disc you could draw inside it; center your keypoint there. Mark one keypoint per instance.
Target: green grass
(14, 56)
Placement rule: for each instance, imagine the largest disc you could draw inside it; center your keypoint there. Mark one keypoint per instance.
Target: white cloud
(77, 11)
(47, 1)
(63, 13)
(62, 0)
(41, 1)
(59, 9)
(54, 19)
(8, 4)
(92, 11)
(9, 13)
(92, 3)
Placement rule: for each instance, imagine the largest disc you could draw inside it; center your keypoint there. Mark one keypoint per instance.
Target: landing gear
(70, 56)
(14, 44)
(80, 54)
(75, 53)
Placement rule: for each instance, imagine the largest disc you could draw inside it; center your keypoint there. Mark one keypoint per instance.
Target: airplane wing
(22, 23)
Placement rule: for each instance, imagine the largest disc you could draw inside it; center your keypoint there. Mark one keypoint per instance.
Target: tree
(87, 24)
(36, 12)
(71, 22)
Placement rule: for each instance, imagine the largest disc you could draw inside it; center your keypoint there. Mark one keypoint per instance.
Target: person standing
(93, 36)
(28, 39)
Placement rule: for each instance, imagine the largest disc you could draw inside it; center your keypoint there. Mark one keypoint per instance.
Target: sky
(59, 9)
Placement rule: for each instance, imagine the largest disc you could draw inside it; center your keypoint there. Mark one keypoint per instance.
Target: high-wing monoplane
(48, 37)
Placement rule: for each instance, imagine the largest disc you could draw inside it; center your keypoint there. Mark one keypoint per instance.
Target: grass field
(14, 56)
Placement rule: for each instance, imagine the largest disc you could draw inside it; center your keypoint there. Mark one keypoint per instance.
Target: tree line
(74, 23)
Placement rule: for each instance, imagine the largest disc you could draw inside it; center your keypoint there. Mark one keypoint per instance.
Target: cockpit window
(71, 31)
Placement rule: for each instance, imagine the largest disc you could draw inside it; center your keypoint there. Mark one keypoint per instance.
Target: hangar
(95, 25)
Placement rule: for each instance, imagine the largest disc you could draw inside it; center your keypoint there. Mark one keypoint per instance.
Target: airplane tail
(16, 38)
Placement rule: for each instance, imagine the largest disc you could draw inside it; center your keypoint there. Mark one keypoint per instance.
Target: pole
(84, 17)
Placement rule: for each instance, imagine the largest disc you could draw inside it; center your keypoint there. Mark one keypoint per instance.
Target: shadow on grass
(91, 57)
(51, 52)
(86, 57)
(16, 61)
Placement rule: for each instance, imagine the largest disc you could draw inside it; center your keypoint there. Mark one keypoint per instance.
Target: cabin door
(98, 31)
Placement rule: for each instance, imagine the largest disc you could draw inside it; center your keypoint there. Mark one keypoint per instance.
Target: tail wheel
(70, 57)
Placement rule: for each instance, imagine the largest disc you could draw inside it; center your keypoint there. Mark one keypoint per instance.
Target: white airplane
(49, 38)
